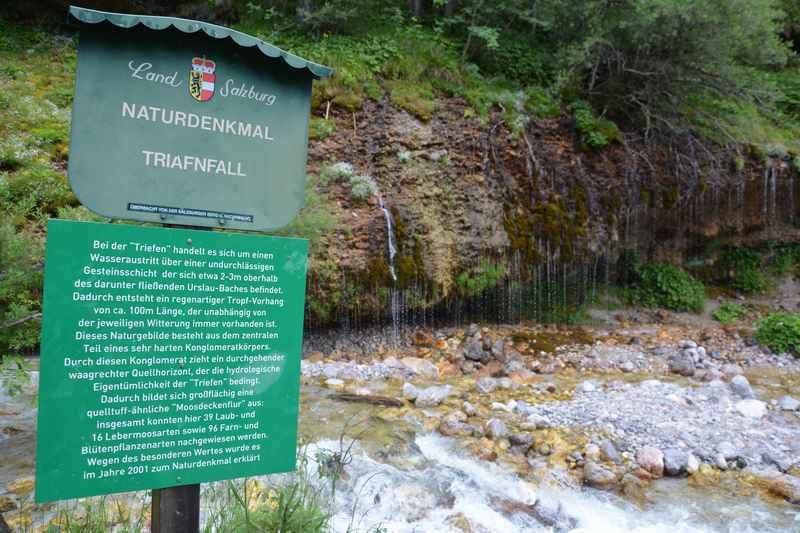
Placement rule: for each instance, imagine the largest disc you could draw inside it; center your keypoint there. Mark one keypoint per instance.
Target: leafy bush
(340, 171)
(319, 128)
(596, 132)
(786, 260)
(21, 277)
(487, 275)
(743, 270)
(780, 332)
(362, 187)
(664, 285)
(729, 312)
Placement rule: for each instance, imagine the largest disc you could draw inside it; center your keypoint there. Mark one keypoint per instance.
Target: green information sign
(169, 357)
(184, 122)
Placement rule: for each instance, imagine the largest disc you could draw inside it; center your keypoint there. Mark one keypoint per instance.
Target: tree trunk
(450, 8)
(415, 6)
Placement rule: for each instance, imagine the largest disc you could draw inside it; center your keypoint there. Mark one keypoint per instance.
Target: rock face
(652, 460)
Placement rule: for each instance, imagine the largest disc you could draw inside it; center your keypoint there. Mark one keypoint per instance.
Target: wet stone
(496, 429)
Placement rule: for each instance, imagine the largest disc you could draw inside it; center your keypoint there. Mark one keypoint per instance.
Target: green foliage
(596, 132)
(316, 219)
(294, 507)
(780, 332)
(729, 312)
(319, 128)
(362, 187)
(664, 285)
(21, 276)
(418, 99)
(14, 374)
(786, 260)
(485, 276)
(742, 270)
(649, 61)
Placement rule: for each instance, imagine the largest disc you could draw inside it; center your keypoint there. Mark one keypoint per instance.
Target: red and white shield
(201, 79)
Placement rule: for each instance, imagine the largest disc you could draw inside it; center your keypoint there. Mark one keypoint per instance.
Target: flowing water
(405, 479)
(401, 477)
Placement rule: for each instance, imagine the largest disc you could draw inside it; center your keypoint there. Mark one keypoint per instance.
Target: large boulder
(652, 460)
(473, 350)
(751, 408)
(681, 363)
(598, 476)
(741, 388)
(432, 396)
(422, 367)
(676, 462)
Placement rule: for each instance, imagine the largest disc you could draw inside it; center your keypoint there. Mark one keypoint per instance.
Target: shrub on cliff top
(664, 285)
(780, 332)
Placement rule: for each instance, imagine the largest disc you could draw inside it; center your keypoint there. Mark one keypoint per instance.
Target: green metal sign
(192, 124)
(169, 357)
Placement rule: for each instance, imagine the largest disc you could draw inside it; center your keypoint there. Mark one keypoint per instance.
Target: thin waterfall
(390, 238)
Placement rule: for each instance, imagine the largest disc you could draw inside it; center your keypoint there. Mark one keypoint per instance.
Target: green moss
(377, 273)
(670, 197)
(485, 276)
(319, 128)
(415, 97)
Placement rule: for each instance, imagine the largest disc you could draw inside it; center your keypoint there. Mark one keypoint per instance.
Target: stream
(401, 476)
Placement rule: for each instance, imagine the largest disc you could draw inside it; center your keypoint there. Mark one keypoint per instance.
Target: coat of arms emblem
(201, 79)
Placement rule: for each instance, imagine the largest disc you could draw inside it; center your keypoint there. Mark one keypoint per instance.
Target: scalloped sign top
(122, 20)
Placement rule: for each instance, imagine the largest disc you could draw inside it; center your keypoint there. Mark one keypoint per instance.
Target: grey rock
(730, 369)
(787, 403)
(469, 409)
(651, 459)
(741, 387)
(751, 408)
(687, 344)
(727, 450)
(780, 462)
(557, 520)
(473, 330)
(676, 462)
(586, 386)
(521, 439)
(499, 350)
(432, 396)
(410, 392)
(692, 464)
(486, 385)
(523, 408)
(681, 364)
(496, 429)
(720, 462)
(598, 476)
(627, 367)
(609, 451)
(487, 342)
(473, 350)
